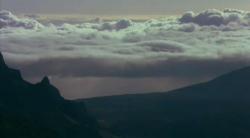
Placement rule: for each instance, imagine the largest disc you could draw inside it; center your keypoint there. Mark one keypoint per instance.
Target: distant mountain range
(219, 108)
(38, 111)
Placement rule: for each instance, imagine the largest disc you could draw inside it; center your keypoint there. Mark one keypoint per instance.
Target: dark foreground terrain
(216, 109)
(38, 111)
(219, 108)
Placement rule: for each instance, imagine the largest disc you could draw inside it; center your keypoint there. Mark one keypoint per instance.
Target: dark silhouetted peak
(2, 63)
(8, 73)
(38, 110)
(45, 81)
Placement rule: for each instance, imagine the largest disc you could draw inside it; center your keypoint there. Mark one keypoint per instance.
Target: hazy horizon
(98, 48)
(118, 7)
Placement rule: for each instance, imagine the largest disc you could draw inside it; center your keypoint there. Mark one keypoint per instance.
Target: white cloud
(176, 47)
(217, 18)
(121, 24)
(7, 19)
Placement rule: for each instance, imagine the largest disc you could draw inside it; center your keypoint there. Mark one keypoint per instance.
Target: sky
(118, 6)
(122, 56)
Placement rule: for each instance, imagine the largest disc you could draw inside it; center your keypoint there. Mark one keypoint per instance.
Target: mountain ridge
(38, 110)
(218, 109)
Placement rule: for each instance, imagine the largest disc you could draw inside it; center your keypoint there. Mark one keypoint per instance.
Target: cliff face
(38, 110)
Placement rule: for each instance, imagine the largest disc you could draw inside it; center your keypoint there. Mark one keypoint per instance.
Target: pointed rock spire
(45, 81)
(2, 62)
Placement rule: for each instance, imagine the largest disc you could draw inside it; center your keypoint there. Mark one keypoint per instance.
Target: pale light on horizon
(118, 7)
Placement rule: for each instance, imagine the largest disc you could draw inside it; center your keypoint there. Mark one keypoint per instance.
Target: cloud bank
(193, 45)
(217, 18)
(7, 19)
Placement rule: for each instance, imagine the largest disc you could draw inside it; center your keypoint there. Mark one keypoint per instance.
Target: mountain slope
(216, 109)
(38, 111)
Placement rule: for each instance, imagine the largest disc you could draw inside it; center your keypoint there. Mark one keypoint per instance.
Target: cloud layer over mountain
(217, 18)
(192, 45)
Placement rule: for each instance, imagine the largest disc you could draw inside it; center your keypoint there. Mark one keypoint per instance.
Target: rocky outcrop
(38, 110)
